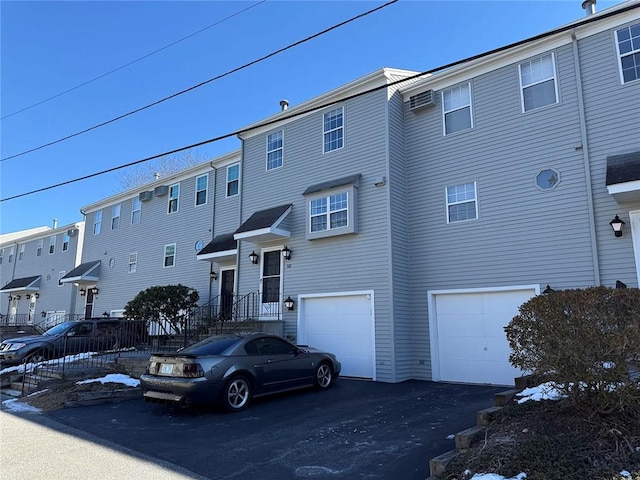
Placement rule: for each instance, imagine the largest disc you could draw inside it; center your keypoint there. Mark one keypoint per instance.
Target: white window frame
(12, 252)
(351, 209)
(328, 131)
(65, 242)
(445, 112)
(97, 222)
(39, 247)
(632, 53)
(136, 207)
(52, 244)
(1, 255)
(280, 149)
(268, 309)
(173, 205)
(21, 251)
(133, 262)
(461, 202)
(115, 216)
(236, 180)
(61, 274)
(205, 189)
(553, 77)
(166, 256)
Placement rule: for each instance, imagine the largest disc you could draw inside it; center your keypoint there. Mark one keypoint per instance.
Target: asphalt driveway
(356, 430)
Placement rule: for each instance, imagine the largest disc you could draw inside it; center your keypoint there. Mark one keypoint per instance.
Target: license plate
(166, 368)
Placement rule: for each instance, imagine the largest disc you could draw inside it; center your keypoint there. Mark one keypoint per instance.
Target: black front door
(226, 294)
(88, 307)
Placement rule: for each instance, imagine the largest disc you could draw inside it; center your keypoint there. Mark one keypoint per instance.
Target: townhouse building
(32, 262)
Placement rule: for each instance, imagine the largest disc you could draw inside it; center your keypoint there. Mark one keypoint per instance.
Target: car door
(282, 365)
(79, 338)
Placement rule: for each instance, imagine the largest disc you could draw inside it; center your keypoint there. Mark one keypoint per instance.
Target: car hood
(27, 339)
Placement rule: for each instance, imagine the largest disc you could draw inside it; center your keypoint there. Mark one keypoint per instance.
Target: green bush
(170, 303)
(586, 340)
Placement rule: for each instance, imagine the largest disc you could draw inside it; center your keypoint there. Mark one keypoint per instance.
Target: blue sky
(48, 47)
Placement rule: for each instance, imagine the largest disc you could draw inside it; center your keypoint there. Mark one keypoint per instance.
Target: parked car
(67, 338)
(232, 369)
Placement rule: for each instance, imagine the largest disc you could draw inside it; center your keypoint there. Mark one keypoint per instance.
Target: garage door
(342, 325)
(471, 343)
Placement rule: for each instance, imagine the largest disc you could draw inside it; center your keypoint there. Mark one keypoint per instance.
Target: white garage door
(471, 343)
(342, 325)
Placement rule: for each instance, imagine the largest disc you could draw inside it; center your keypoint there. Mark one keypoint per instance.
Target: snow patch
(495, 476)
(14, 405)
(113, 378)
(544, 391)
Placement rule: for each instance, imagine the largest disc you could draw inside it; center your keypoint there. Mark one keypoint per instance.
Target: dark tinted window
(274, 346)
(210, 346)
(252, 348)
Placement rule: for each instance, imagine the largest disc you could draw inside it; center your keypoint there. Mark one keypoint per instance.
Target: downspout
(213, 231)
(236, 281)
(585, 159)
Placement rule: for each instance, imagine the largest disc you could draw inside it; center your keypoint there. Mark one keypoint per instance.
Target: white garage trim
(433, 319)
(301, 327)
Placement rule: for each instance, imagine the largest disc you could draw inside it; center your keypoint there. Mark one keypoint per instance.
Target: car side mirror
(70, 334)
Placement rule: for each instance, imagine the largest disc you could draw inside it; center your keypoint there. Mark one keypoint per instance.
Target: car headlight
(12, 346)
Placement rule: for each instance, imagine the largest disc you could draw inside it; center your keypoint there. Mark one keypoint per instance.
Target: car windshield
(211, 346)
(58, 329)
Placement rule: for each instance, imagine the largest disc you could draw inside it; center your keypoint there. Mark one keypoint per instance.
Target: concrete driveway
(356, 430)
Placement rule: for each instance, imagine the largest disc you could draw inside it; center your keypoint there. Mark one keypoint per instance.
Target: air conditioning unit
(161, 191)
(145, 196)
(72, 232)
(422, 100)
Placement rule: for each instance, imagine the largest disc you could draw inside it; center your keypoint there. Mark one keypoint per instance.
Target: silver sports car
(234, 368)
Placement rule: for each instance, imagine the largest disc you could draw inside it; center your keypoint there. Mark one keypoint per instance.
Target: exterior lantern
(286, 253)
(95, 290)
(43, 313)
(83, 292)
(105, 314)
(617, 225)
(289, 303)
(253, 256)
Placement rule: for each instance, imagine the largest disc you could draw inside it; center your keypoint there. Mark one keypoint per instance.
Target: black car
(67, 338)
(233, 369)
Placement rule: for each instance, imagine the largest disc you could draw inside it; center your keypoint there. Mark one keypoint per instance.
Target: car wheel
(236, 394)
(323, 376)
(39, 356)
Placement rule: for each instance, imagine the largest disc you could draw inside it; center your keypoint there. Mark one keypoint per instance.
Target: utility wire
(344, 99)
(132, 61)
(246, 65)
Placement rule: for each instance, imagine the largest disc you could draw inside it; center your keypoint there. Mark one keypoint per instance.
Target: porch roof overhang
(264, 225)
(623, 177)
(222, 248)
(26, 284)
(88, 272)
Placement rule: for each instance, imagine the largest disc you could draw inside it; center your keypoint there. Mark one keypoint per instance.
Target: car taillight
(192, 370)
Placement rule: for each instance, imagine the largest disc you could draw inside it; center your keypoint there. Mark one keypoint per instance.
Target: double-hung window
(274, 150)
(52, 245)
(39, 248)
(202, 183)
(136, 208)
(462, 203)
(628, 42)
(169, 255)
(233, 179)
(174, 197)
(538, 82)
(456, 108)
(115, 217)
(97, 222)
(333, 129)
(21, 251)
(12, 252)
(65, 242)
(133, 261)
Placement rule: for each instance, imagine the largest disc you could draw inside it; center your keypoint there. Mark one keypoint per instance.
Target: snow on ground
(493, 476)
(113, 378)
(14, 405)
(544, 391)
(29, 367)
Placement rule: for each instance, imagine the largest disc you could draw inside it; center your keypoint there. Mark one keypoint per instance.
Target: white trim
(445, 112)
(226, 180)
(223, 253)
(634, 220)
(235, 277)
(447, 204)
(206, 190)
(176, 198)
(356, 293)
(433, 315)
(266, 138)
(342, 127)
(619, 55)
(278, 249)
(623, 192)
(554, 78)
(164, 255)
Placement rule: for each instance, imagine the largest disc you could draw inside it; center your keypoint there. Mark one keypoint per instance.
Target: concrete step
(503, 398)
(485, 417)
(438, 465)
(525, 381)
(465, 438)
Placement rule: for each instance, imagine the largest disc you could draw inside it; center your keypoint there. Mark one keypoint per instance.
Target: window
(115, 217)
(169, 255)
(136, 208)
(52, 245)
(174, 196)
(332, 207)
(133, 261)
(538, 83)
(60, 275)
(628, 40)
(274, 150)
(12, 252)
(547, 179)
(333, 128)
(65, 242)
(39, 248)
(21, 251)
(461, 203)
(330, 212)
(271, 276)
(1, 255)
(202, 183)
(233, 179)
(456, 108)
(97, 222)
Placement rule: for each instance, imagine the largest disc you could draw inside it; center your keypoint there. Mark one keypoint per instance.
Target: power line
(132, 61)
(588, 20)
(237, 69)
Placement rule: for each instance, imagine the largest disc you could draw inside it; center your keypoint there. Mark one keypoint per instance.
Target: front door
(270, 283)
(226, 294)
(88, 306)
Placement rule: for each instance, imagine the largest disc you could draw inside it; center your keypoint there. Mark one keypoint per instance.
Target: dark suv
(67, 338)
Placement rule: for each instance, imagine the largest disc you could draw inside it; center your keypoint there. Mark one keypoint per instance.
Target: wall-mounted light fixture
(105, 314)
(28, 296)
(37, 295)
(17, 297)
(253, 256)
(289, 303)
(286, 253)
(213, 275)
(82, 292)
(617, 224)
(10, 297)
(43, 313)
(548, 289)
(95, 290)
